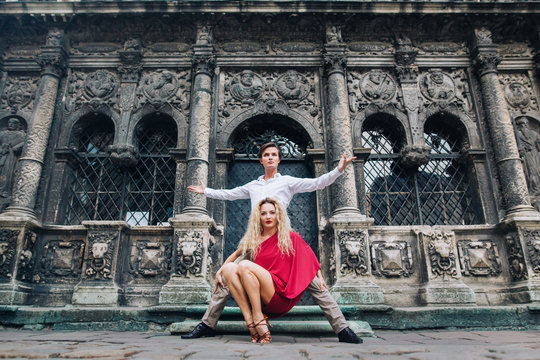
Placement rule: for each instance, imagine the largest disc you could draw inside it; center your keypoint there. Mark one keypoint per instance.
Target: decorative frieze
(8, 248)
(479, 258)
(391, 259)
(150, 259)
(101, 248)
(352, 245)
(61, 262)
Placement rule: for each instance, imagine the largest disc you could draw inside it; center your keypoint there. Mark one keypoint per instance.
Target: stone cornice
(69, 8)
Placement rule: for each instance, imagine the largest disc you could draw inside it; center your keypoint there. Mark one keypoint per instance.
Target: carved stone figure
(517, 95)
(4, 253)
(159, 86)
(99, 263)
(529, 148)
(438, 86)
(333, 35)
(247, 88)
(11, 144)
(378, 86)
(100, 84)
(516, 260)
(292, 86)
(532, 239)
(189, 257)
(19, 93)
(353, 256)
(441, 253)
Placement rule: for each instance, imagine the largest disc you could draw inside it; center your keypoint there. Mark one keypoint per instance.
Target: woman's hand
(321, 280)
(344, 161)
(198, 189)
(218, 280)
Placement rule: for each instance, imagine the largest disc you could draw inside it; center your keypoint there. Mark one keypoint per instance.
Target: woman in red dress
(283, 266)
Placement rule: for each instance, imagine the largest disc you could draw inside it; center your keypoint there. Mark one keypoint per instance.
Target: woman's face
(268, 216)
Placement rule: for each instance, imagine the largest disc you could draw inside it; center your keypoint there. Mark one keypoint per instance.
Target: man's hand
(218, 280)
(344, 161)
(198, 189)
(321, 280)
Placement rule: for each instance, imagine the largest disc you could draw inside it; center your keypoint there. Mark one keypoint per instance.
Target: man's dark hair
(268, 145)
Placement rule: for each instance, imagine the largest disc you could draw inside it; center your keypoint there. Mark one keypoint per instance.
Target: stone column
(509, 166)
(350, 235)
(193, 227)
(53, 62)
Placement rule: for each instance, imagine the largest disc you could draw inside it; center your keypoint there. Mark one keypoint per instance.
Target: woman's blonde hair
(251, 241)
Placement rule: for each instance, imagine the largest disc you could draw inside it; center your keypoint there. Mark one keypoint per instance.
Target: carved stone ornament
(413, 156)
(8, 246)
(125, 156)
(483, 36)
(61, 262)
(532, 239)
(335, 63)
(245, 88)
(486, 62)
(19, 93)
(479, 258)
(165, 87)
(26, 264)
(204, 64)
(516, 260)
(391, 259)
(100, 84)
(352, 245)
(517, 95)
(151, 259)
(93, 89)
(437, 86)
(441, 253)
(518, 92)
(378, 86)
(443, 48)
(405, 54)
(101, 247)
(292, 86)
(189, 253)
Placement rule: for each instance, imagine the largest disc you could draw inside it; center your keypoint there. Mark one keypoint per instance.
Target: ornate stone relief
(150, 259)
(165, 87)
(518, 92)
(532, 241)
(446, 88)
(516, 260)
(352, 245)
(440, 246)
(270, 92)
(26, 265)
(371, 48)
(391, 258)
(19, 93)
(61, 261)
(528, 140)
(101, 247)
(519, 50)
(443, 48)
(8, 246)
(373, 87)
(479, 258)
(189, 253)
(94, 89)
(12, 139)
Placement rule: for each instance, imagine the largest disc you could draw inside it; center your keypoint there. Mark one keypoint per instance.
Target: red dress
(291, 274)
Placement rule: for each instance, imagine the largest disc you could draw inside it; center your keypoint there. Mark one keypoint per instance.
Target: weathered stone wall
(328, 76)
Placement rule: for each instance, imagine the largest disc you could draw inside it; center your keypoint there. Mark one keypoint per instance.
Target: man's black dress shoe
(201, 330)
(348, 336)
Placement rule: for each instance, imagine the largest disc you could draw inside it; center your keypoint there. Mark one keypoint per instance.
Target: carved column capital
(204, 64)
(484, 53)
(335, 62)
(53, 56)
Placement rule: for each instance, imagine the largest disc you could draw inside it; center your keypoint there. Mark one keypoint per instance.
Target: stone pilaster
(536, 44)
(440, 271)
(509, 166)
(53, 62)
(199, 121)
(344, 199)
(100, 272)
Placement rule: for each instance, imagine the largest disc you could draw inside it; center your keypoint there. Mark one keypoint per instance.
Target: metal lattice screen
(141, 195)
(437, 193)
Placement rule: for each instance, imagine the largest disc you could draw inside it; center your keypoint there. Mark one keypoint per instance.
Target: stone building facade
(109, 111)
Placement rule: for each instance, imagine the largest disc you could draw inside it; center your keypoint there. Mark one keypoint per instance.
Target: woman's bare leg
(230, 272)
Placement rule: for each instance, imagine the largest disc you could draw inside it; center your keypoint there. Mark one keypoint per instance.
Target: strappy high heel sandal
(254, 337)
(266, 337)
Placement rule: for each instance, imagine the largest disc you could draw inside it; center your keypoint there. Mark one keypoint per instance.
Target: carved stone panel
(391, 259)
(26, 258)
(19, 93)
(375, 86)
(61, 262)
(516, 259)
(532, 241)
(354, 257)
(440, 246)
(518, 92)
(101, 246)
(479, 258)
(165, 87)
(8, 248)
(150, 259)
(445, 88)
(93, 89)
(189, 252)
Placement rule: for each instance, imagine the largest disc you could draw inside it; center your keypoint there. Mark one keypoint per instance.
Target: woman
(283, 266)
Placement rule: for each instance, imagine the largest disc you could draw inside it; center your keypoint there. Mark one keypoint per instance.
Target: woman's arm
(218, 280)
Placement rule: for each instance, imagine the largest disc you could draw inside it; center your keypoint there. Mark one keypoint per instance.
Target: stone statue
(529, 148)
(11, 144)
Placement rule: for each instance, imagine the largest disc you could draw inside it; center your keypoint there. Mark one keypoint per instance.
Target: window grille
(141, 195)
(436, 193)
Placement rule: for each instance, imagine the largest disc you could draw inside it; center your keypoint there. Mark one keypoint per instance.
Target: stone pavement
(423, 344)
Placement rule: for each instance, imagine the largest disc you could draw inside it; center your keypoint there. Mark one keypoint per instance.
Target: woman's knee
(229, 270)
(244, 267)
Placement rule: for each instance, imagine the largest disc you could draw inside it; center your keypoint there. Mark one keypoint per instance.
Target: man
(281, 188)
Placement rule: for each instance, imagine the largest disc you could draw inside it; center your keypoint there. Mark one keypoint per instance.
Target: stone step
(310, 327)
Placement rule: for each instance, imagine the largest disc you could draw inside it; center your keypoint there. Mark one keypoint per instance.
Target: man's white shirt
(281, 188)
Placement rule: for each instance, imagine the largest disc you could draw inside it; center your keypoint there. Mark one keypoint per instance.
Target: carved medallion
(8, 246)
(391, 259)
(246, 87)
(479, 258)
(19, 93)
(152, 259)
(438, 86)
(517, 95)
(100, 255)
(189, 253)
(378, 86)
(161, 85)
(100, 84)
(353, 252)
(292, 86)
(516, 260)
(532, 239)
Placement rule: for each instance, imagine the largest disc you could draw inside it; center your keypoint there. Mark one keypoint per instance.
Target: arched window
(101, 190)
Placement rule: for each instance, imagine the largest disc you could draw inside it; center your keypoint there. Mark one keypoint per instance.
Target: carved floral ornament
(352, 246)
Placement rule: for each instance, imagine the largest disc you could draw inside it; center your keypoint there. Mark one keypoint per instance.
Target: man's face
(270, 158)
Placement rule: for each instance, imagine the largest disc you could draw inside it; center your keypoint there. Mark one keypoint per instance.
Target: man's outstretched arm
(240, 192)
